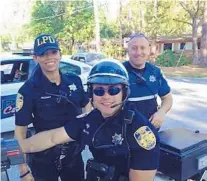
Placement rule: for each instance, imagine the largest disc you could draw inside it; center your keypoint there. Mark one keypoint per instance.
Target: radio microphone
(119, 103)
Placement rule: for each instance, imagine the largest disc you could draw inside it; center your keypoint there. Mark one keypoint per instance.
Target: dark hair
(137, 35)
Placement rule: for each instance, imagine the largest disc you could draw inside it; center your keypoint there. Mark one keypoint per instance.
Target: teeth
(50, 63)
(106, 104)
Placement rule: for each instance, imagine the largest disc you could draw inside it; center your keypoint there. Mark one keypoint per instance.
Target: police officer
(49, 99)
(124, 144)
(146, 82)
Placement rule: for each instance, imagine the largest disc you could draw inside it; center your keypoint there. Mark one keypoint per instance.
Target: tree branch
(198, 7)
(183, 22)
(188, 10)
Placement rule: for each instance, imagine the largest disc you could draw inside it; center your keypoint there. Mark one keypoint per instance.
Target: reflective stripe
(142, 98)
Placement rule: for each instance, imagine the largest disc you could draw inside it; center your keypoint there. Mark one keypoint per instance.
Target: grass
(190, 71)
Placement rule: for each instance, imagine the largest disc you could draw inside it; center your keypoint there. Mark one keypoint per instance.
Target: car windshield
(91, 57)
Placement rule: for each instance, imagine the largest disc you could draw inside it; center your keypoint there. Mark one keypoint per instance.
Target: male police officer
(48, 100)
(146, 82)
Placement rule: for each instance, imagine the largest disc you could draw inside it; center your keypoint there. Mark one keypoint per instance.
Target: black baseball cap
(43, 43)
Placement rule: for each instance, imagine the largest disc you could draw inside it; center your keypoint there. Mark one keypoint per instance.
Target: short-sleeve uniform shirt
(145, 87)
(109, 144)
(48, 105)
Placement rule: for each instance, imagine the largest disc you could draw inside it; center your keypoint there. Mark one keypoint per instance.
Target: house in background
(176, 44)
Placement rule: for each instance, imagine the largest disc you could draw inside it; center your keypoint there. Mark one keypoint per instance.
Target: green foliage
(109, 30)
(47, 17)
(79, 25)
(171, 59)
(164, 22)
(113, 50)
(71, 22)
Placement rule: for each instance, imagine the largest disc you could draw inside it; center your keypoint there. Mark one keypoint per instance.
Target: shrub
(171, 59)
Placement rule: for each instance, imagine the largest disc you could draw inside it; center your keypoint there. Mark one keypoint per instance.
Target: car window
(7, 68)
(91, 57)
(81, 59)
(70, 68)
(15, 71)
(74, 57)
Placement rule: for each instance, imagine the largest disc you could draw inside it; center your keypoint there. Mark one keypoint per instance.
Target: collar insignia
(87, 125)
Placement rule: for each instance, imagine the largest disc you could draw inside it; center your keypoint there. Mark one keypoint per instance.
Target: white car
(78, 68)
(15, 70)
(90, 58)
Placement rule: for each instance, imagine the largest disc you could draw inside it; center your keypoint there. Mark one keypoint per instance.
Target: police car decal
(19, 102)
(145, 137)
(8, 106)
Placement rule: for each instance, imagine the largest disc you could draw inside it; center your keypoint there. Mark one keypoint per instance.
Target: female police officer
(49, 99)
(123, 142)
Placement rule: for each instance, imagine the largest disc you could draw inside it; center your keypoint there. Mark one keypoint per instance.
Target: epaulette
(82, 115)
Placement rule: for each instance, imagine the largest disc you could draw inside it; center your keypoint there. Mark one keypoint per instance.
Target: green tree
(47, 17)
(194, 12)
(79, 25)
(70, 21)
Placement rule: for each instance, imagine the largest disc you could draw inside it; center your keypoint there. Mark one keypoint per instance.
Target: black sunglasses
(112, 91)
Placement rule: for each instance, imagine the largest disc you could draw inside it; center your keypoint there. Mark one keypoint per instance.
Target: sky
(13, 13)
(7, 7)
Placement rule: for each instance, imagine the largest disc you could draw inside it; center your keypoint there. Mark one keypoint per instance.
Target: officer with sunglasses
(146, 82)
(124, 144)
(49, 100)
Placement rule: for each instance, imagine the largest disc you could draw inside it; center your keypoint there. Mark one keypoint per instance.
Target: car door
(15, 73)
(69, 68)
(66, 67)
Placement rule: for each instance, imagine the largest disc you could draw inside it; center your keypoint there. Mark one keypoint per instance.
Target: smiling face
(49, 60)
(104, 103)
(138, 50)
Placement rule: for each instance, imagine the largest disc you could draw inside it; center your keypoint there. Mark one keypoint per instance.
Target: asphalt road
(189, 104)
(189, 111)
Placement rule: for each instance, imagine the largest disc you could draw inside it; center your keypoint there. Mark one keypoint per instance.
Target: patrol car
(15, 70)
(89, 58)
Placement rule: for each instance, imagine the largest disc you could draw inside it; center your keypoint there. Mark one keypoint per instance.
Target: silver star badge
(117, 139)
(152, 78)
(72, 87)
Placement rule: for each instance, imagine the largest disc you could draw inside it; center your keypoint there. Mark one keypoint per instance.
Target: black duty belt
(56, 154)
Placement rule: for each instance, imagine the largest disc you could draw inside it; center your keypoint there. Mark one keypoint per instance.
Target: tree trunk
(195, 46)
(153, 50)
(120, 22)
(203, 57)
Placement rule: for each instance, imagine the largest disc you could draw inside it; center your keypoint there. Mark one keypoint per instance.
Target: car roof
(14, 57)
(81, 64)
(88, 53)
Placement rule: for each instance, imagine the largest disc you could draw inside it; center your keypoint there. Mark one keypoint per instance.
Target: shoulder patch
(82, 115)
(19, 102)
(145, 137)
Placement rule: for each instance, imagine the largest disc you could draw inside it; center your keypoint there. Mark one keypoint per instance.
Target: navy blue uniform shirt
(48, 105)
(101, 135)
(145, 86)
